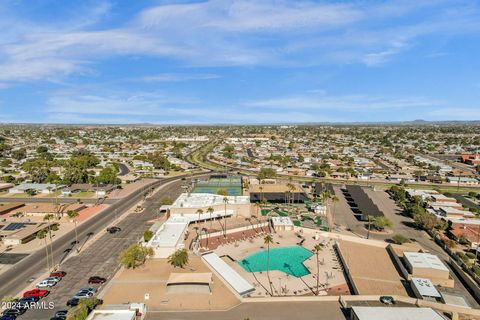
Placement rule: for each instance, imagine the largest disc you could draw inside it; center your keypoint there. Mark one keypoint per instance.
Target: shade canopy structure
(236, 281)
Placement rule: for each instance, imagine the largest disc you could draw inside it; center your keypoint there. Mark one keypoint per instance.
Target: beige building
(426, 265)
(41, 209)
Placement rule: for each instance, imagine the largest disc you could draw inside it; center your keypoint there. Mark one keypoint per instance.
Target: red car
(96, 279)
(36, 293)
(59, 274)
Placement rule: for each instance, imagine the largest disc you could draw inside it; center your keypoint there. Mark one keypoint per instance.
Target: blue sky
(228, 61)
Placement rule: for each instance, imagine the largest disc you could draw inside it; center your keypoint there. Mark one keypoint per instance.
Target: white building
(189, 203)
(38, 187)
(169, 237)
(427, 265)
(282, 224)
(130, 311)
(425, 289)
(400, 313)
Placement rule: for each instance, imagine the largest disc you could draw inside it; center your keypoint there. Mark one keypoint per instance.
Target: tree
(72, 214)
(108, 176)
(380, 223)
(425, 221)
(42, 149)
(316, 250)
(268, 239)
(75, 175)
(49, 217)
(199, 212)
(42, 234)
(147, 235)
(135, 256)
(179, 258)
(210, 210)
(267, 173)
(222, 192)
(19, 154)
(225, 202)
(400, 239)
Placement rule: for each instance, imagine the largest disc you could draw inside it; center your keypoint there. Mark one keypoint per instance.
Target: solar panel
(14, 226)
(363, 201)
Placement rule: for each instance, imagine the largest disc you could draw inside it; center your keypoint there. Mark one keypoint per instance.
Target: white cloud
(230, 33)
(144, 104)
(174, 77)
(251, 16)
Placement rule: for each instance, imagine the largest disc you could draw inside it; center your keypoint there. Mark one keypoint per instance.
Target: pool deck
(284, 284)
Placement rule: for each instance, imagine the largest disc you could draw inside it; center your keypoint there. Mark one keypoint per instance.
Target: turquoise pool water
(287, 259)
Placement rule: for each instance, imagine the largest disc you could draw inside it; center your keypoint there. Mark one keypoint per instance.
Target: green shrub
(470, 255)
(463, 256)
(400, 239)
(476, 270)
(147, 235)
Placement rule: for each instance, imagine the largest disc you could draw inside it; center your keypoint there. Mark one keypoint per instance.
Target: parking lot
(101, 257)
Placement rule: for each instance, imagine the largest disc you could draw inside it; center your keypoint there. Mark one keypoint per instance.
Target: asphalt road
(262, 311)
(123, 169)
(101, 257)
(16, 277)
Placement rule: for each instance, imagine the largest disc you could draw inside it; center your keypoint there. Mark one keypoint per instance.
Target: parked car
(15, 312)
(387, 300)
(59, 274)
(8, 317)
(73, 302)
(96, 279)
(83, 295)
(46, 283)
(113, 229)
(56, 279)
(89, 289)
(60, 315)
(36, 293)
(28, 299)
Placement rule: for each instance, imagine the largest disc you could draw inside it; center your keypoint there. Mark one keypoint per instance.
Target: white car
(83, 295)
(56, 279)
(46, 283)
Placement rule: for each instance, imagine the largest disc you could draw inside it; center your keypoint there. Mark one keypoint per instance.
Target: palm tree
(49, 217)
(317, 249)
(225, 201)
(42, 234)
(257, 205)
(199, 212)
(261, 192)
(210, 210)
(268, 240)
(179, 258)
(72, 214)
(205, 231)
(291, 189)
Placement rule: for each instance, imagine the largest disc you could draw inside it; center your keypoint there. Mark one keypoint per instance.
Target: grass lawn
(83, 194)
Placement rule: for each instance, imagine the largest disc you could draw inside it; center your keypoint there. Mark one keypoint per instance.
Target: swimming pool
(286, 259)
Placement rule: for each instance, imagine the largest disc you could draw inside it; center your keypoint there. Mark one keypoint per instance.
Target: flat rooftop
(171, 232)
(424, 260)
(402, 313)
(371, 269)
(201, 200)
